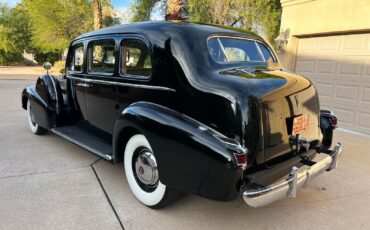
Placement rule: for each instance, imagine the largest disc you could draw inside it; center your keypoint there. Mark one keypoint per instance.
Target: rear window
(224, 49)
(136, 59)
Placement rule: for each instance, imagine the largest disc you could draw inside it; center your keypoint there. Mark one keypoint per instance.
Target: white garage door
(340, 68)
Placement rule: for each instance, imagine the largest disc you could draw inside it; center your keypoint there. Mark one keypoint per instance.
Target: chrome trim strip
(222, 48)
(122, 84)
(260, 51)
(288, 187)
(105, 156)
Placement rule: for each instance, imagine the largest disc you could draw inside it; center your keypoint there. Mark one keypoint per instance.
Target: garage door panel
(348, 92)
(328, 44)
(350, 68)
(339, 66)
(346, 116)
(365, 97)
(338, 102)
(343, 68)
(325, 104)
(308, 45)
(324, 107)
(325, 89)
(306, 66)
(326, 67)
(355, 42)
(344, 92)
(367, 66)
(364, 119)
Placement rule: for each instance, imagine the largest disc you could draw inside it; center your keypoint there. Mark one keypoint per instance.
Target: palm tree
(176, 10)
(98, 15)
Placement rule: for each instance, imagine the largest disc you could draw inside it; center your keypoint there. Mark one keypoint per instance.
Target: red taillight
(241, 158)
(333, 121)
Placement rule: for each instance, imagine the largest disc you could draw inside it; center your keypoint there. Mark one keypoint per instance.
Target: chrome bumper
(288, 187)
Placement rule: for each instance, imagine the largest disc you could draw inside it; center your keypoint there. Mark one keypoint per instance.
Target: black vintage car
(188, 108)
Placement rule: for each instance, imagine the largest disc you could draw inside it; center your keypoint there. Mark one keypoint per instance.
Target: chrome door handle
(87, 85)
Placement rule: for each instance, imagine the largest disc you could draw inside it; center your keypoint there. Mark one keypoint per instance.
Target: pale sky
(120, 5)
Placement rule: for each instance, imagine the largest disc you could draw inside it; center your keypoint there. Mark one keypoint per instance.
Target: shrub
(59, 65)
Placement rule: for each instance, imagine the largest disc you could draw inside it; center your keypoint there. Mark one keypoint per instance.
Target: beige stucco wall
(314, 17)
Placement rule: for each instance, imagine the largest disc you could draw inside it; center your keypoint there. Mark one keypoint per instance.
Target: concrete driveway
(47, 182)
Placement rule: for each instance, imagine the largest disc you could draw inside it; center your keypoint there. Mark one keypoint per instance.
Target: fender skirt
(191, 157)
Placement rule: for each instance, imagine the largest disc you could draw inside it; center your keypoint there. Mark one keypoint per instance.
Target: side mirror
(47, 66)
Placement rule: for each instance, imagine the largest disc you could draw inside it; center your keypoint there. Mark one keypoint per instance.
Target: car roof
(148, 28)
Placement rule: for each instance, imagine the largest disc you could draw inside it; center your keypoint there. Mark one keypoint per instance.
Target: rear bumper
(297, 178)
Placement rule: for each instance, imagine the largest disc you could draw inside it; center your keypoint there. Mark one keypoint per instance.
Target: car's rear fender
(191, 157)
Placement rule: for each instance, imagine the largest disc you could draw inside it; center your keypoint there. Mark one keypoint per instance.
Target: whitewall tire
(35, 128)
(142, 174)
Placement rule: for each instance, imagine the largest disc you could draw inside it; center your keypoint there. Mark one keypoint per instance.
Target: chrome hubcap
(146, 168)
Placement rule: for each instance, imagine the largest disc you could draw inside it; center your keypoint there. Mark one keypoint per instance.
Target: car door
(75, 73)
(101, 90)
(138, 79)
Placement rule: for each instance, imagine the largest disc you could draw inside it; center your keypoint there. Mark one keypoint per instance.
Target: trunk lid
(298, 97)
(273, 100)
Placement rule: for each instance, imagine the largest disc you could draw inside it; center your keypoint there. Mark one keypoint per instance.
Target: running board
(85, 139)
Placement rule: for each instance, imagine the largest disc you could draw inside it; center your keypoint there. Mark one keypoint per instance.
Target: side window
(77, 59)
(102, 56)
(216, 51)
(136, 59)
(235, 54)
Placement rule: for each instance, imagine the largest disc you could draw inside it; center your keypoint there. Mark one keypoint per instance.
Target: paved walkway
(20, 72)
(47, 182)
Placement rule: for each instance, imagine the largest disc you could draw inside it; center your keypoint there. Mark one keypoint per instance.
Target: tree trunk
(98, 15)
(176, 10)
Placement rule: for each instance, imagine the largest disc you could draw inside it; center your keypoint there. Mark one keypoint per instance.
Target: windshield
(224, 49)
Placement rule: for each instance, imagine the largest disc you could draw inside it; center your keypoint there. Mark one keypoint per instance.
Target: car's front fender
(43, 114)
(46, 100)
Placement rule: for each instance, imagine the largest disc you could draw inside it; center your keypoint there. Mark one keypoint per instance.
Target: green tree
(176, 10)
(109, 17)
(15, 33)
(142, 9)
(103, 14)
(98, 14)
(56, 23)
(260, 16)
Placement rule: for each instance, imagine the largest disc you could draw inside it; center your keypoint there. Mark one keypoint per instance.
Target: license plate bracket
(300, 124)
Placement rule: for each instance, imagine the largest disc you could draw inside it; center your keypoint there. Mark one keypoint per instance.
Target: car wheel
(143, 176)
(35, 128)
